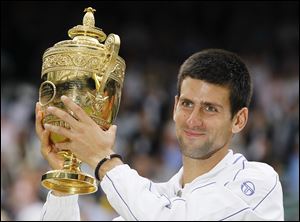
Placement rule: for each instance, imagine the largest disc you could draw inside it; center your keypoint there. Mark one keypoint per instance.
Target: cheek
(180, 117)
(222, 129)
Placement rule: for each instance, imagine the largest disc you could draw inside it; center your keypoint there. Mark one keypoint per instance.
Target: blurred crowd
(146, 137)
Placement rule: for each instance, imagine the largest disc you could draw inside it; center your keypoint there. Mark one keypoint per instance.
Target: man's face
(202, 118)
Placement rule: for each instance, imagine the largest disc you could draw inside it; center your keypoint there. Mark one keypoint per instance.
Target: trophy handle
(112, 45)
(97, 80)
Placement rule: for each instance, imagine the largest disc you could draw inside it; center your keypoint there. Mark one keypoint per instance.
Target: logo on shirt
(248, 188)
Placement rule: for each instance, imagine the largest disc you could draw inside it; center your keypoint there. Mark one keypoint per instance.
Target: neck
(193, 168)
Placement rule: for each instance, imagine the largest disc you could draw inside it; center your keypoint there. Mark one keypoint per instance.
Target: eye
(187, 104)
(210, 109)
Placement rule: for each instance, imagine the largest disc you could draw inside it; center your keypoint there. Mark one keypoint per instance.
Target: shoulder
(259, 176)
(257, 171)
(254, 177)
(259, 168)
(258, 185)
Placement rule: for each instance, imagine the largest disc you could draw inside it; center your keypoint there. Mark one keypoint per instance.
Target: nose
(194, 119)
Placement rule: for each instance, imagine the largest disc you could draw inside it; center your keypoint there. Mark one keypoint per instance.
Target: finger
(50, 153)
(64, 116)
(38, 121)
(55, 160)
(77, 110)
(59, 130)
(46, 148)
(37, 107)
(46, 144)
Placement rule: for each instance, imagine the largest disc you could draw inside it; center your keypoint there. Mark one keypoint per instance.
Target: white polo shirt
(235, 189)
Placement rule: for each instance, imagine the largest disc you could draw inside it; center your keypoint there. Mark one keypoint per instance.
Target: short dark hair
(220, 67)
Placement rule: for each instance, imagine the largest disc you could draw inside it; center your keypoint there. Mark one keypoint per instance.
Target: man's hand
(48, 150)
(87, 140)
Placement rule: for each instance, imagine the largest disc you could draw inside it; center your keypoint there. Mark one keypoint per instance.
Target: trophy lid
(88, 28)
(85, 53)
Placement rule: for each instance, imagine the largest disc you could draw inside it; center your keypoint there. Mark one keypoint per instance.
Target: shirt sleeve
(135, 198)
(263, 193)
(63, 208)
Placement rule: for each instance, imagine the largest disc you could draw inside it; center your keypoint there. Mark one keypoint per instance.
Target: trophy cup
(92, 74)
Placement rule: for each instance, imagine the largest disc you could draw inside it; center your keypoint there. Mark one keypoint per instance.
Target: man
(214, 91)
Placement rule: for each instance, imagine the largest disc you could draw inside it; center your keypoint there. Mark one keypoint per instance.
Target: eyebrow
(203, 103)
(211, 104)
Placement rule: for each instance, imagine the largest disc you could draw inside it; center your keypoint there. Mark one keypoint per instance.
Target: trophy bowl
(90, 73)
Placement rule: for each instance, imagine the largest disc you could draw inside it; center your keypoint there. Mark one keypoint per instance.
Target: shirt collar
(228, 159)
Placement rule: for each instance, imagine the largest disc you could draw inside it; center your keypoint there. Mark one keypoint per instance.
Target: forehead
(201, 91)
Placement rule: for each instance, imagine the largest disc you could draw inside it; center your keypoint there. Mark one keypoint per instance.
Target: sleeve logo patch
(248, 188)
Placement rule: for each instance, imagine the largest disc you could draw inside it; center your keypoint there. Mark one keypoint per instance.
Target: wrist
(109, 165)
(106, 164)
(96, 159)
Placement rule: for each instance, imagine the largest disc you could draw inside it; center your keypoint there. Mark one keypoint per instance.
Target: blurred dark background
(156, 37)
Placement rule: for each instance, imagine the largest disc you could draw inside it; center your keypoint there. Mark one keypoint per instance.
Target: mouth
(193, 133)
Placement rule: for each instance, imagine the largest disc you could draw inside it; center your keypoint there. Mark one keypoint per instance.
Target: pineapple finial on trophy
(88, 19)
(88, 27)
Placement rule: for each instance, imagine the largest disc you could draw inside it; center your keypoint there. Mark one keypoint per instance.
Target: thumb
(112, 129)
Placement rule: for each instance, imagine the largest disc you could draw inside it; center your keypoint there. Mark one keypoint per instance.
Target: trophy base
(69, 182)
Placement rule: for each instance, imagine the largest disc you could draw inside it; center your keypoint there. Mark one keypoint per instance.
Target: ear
(240, 120)
(175, 105)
